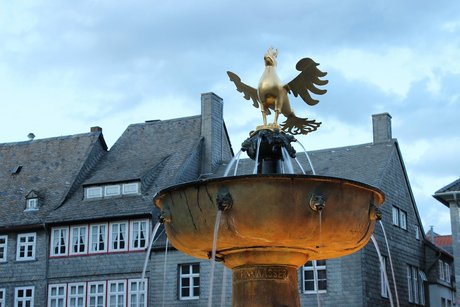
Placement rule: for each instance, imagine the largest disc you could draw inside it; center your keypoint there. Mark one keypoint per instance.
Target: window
(189, 281)
(441, 270)
(415, 283)
(93, 192)
(2, 298)
(314, 277)
(26, 247)
(98, 238)
(399, 217)
(117, 293)
(118, 236)
(78, 238)
(447, 271)
(77, 293)
(131, 188)
(32, 204)
(444, 271)
(96, 294)
(112, 190)
(417, 232)
(24, 297)
(137, 293)
(56, 295)
(59, 238)
(383, 278)
(139, 234)
(3, 249)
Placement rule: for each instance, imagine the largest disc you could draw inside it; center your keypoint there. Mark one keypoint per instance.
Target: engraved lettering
(260, 273)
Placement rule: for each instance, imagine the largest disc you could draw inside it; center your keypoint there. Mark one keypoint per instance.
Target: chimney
(96, 129)
(381, 124)
(212, 125)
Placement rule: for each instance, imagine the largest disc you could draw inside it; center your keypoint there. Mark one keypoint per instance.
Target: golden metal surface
(272, 94)
(270, 220)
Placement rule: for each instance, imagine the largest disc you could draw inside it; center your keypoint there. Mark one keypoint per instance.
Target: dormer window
(32, 203)
(112, 190)
(93, 192)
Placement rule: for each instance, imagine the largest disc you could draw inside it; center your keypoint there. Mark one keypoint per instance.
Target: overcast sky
(68, 65)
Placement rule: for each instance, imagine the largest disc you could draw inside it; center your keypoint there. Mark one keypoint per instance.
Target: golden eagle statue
(272, 94)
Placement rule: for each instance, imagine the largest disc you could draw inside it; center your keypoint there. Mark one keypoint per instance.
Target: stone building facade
(77, 218)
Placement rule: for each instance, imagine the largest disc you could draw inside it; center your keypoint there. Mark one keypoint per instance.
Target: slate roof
(49, 166)
(365, 163)
(155, 153)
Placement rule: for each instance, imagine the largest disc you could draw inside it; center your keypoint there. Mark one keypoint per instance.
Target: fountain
(270, 222)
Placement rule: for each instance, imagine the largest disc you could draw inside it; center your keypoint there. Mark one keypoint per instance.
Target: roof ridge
(49, 139)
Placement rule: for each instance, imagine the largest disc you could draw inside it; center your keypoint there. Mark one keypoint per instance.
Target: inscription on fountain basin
(260, 273)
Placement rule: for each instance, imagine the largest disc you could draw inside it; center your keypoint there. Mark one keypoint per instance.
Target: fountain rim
(201, 182)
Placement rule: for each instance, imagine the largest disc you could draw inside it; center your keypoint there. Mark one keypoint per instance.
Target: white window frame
(137, 227)
(447, 271)
(97, 250)
(315, 268)
(3, 249)
(75, 298)
(93, 192)
(26, 245)
(403, 219)
(32, 204)
(115, 234)
(137, 292)
(24, 299)
(441, 270)
(130, 188)
(399, 217)
(59, 233)
(383, 282)
(415, 284)
(57, 299)
(96, 295)
(395, 215)
(417, 232)
(116, 296)
(2, 297)
(112, 190)
(82, 239)
(191, 284)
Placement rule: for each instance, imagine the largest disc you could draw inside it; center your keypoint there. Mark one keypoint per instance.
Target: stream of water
(308, 158)
(391, 264)
(164, 272)
(382, 268)
(213, 256)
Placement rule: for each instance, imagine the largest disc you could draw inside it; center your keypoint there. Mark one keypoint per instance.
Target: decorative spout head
(317, 202)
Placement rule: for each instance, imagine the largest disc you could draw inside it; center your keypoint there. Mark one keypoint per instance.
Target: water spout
(391, 264)
(308, 158)
(213, 256)
(300, 165)
(382, 267)
(259, 141)
(164, 272)
(154, 232)
(234, 160)
(287, 161)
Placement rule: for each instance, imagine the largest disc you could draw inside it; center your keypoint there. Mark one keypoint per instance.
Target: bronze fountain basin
(270, 226)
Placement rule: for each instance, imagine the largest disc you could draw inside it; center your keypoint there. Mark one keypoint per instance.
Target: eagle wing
(307, 81)
(249, 92)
